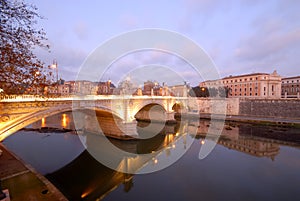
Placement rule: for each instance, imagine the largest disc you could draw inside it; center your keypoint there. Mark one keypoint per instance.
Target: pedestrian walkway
(22, 182)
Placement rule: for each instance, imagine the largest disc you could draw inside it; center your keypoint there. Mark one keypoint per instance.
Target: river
(249, 162)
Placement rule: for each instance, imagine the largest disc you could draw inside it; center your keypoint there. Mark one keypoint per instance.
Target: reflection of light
(173, 145)
(84, 194)
(64, 120)
(202, 142)
(43, 122)
(155, 161)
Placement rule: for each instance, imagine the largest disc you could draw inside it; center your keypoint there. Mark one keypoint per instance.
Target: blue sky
(241, 37)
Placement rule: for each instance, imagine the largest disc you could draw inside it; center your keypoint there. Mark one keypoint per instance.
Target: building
(258, 85)
(105, 88)
(290, 87)
(179, 90)
(152, 88)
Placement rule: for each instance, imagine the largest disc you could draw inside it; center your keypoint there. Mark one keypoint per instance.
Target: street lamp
(55, 66)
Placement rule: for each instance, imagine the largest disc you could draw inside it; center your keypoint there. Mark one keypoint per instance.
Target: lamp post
(55, 66)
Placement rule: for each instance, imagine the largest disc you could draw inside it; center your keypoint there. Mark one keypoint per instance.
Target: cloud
(271, 42)
(128, 21)
(263, 45)
(81, 31)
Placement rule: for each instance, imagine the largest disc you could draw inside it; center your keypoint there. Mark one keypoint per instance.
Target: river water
(249, 162)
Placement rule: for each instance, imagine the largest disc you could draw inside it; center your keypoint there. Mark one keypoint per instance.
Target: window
(255, 94)
(250, 89)
(264, 88)
(250, 94)
(251, 78)
(240, 80)
(272, 87)
(256, 78)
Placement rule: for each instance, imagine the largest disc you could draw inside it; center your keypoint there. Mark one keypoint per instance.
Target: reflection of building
(261, 85)
(252, 147)
(290, 87)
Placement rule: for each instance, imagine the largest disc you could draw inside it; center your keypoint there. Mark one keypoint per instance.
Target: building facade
(257, 85)
(290, 87)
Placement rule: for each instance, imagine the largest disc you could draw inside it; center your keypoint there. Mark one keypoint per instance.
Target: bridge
(17, 112)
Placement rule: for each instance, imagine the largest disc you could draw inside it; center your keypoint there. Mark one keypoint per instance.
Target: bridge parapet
(18, 112)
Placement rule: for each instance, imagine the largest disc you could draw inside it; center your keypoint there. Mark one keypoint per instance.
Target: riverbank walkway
(23, 182)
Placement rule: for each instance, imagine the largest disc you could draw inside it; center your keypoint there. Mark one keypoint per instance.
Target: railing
(20, 98)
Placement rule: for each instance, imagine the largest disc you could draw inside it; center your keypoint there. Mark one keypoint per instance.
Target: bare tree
(19, 66)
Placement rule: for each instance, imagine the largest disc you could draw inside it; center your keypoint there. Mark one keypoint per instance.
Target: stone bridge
(19, 112)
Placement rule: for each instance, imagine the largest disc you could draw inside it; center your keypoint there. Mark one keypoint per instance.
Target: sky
(239, 36)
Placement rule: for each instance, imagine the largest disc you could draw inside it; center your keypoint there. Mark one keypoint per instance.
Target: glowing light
(64, 121)
(43, 122)
(155, 161)
(202, 142)
(173, 146)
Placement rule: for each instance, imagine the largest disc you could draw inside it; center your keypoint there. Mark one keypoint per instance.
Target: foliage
(19, 66)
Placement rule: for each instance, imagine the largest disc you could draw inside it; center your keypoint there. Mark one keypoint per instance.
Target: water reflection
(63, 120)
(240, 161)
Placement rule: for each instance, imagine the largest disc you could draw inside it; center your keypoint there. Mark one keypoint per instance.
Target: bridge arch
(21, 122)
(152, 111)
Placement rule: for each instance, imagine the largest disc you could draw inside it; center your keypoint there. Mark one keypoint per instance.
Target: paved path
(23, 183)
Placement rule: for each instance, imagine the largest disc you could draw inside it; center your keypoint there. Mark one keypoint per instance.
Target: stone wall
(230, 106)
(286, 108)
(270, 107)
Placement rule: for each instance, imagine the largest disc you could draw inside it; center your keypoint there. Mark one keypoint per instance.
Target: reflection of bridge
(87, 179)
(18, 113)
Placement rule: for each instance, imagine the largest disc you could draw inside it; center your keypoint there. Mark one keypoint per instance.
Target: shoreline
(23, 181)
(267, 121)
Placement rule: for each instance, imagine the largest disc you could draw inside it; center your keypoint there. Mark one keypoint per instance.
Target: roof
(288, 78)
(245, 75)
